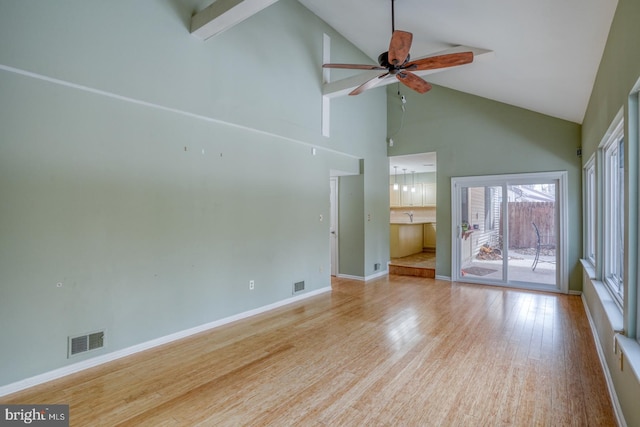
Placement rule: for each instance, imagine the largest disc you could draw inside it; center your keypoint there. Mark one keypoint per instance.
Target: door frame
(333, 226)
(562, 272)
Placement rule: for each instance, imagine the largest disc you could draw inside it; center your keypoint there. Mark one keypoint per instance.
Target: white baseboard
(348, 276)
(376, 275)
(363, 279)
(617, 409)
(447, 278)
(99, 360)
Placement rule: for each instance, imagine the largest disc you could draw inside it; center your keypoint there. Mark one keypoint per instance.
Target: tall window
(613, 224)
(590, 210)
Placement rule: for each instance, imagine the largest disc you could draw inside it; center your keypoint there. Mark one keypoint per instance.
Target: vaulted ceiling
(544, 53)
(545, 57)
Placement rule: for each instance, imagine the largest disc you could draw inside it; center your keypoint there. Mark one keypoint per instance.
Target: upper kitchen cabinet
(400, 198)
(429, 194)
(394, 197)
(412, 198)
(425, 195)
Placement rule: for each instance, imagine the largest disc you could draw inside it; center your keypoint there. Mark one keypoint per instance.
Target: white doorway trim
(333, 225)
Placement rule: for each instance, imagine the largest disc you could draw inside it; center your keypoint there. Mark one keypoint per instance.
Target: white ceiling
(546, 52)
(418, 163)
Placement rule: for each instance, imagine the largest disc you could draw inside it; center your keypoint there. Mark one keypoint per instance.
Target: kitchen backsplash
(419, 214)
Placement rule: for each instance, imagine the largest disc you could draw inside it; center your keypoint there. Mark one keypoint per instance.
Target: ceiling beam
(224, 14)
(344, 86)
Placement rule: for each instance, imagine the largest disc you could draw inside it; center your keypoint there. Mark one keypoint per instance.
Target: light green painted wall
(617, 78)
(351, 227)
(477, 136)
(155, 216)
(618, 73)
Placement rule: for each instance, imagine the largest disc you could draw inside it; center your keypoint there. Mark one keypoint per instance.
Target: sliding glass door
(508, 230)
(479, 232)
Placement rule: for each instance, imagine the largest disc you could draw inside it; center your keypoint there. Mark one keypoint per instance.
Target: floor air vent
(84, 343)
(298, 287)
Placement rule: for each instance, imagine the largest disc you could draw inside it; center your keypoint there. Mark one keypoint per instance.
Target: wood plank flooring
(422, 264)
(394, 351)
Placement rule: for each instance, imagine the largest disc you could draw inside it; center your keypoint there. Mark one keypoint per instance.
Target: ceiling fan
(396, 62)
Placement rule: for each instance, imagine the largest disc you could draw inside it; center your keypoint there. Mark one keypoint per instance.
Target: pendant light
(404, 185)
(395, 178)
(413, 181)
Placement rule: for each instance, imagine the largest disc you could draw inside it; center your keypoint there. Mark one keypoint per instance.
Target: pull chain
(393, 18)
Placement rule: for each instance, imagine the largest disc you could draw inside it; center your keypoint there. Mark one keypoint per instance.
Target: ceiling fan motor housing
(383, 60)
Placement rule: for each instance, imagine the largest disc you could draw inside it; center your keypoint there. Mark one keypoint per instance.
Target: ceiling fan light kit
(396, 62)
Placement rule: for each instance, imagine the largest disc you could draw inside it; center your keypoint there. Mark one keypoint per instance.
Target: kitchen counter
(408, 238)
(405, 238)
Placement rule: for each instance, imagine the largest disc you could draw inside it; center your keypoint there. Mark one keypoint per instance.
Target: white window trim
(612, 136)
(590, 210)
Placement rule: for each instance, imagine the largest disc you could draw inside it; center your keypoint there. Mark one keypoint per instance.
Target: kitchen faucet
(410, 216)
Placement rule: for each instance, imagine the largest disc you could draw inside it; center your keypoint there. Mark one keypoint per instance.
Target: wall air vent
(87, 342)
(298, 287)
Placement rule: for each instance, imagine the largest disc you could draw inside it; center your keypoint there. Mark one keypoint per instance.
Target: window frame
(632, 305)
(590, 211)
(613, 202)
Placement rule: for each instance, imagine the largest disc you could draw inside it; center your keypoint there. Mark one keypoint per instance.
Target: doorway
(510, 230)
(412, 214)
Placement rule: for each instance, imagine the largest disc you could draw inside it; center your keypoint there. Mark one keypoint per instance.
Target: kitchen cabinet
(395, 200)
(406, 239)
(412, 199)
(429, 233)
(425, 195)
(429, 194)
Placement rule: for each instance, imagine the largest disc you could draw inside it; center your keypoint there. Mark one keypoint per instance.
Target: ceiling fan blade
(413, 82)
(439, 61)
(354, 66)
(399, 47)
(368, 84)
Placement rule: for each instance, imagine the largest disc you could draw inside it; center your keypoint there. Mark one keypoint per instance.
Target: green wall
(351, 226)
(617, 80)
(477, 136)
(154, 174)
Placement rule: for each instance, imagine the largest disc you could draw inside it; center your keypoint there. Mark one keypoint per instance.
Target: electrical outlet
(252, 284)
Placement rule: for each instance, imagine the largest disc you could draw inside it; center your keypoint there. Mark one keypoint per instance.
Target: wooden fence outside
(521, 231)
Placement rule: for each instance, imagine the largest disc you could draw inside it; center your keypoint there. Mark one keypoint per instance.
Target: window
(613, 202)
(590, 210)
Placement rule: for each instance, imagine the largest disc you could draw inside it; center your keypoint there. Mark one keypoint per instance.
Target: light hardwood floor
(394, 351)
